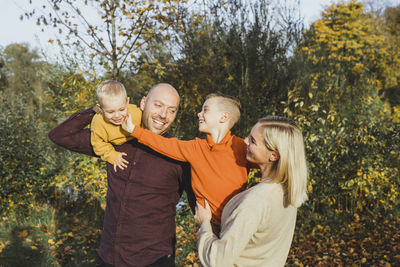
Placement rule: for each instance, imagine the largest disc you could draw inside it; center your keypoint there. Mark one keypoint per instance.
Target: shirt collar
(226, 140)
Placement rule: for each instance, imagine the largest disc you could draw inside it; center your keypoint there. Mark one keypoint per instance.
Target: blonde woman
(258, 224)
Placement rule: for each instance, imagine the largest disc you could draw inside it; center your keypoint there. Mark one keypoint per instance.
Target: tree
(117, 31)
(336, 100)
(23, 71)
(237, 49)
(392, 27)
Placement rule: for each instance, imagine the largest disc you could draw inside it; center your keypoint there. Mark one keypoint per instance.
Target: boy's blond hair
(227, 103)
(110, 88)
(283, 135)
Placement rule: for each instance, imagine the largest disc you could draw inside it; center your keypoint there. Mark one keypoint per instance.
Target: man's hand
(120, 162)
(127, 124)
(202, 214)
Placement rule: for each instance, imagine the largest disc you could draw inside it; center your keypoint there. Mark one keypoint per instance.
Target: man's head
(113, 101)
(159, 107)
(219, 109)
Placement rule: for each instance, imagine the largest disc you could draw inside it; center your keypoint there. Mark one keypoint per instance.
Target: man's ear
(225, 117)
(142, 103)
(274, 156)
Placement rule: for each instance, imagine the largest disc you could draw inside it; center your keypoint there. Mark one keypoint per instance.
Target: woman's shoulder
(263, 188)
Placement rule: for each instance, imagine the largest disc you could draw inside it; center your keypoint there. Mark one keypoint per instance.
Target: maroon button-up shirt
(139, 225)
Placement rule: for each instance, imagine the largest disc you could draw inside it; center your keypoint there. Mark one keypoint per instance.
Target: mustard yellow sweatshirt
(103, 135)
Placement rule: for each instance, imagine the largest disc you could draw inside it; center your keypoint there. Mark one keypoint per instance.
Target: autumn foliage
(338, 79)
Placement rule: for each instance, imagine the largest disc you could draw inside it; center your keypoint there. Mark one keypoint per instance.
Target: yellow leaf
(50, 241)
(23, 233)
(310, 95)
(33, 247)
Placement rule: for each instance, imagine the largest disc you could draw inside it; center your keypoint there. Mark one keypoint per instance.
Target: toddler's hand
(120, 162)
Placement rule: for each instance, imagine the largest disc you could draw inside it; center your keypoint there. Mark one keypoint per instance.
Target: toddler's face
(115, 109)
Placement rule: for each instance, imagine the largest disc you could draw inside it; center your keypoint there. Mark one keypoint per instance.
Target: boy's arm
(72, 134)
(170, 147)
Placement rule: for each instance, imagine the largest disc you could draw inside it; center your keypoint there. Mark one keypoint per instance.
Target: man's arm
(72, 134)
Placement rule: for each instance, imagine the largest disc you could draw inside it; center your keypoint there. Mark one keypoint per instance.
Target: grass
(69, 235)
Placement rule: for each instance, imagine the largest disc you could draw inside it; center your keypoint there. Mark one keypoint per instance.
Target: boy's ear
(142, 103)
(127, 100)
(225, 117)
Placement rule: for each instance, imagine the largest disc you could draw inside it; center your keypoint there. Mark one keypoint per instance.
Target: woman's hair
(283, 135)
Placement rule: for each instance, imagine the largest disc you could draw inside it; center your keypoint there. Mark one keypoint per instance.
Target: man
(139, 225)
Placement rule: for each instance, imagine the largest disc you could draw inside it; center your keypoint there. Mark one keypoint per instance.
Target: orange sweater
(219, 171)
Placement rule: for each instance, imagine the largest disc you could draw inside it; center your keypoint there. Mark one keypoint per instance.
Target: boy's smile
(209, 116)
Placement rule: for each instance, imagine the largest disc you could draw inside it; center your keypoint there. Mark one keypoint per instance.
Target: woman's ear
(274, 156)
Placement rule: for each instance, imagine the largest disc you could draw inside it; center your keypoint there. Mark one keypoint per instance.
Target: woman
(257, 225)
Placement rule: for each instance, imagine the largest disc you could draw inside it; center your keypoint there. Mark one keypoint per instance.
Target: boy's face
(209, 116)
(115, 109)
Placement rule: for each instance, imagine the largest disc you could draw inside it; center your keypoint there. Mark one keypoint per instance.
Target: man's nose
(163, 112)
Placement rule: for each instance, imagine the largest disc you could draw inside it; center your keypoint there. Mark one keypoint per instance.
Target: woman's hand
(202, 214)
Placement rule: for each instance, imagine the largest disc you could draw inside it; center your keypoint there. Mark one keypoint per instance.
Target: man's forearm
(72, 134)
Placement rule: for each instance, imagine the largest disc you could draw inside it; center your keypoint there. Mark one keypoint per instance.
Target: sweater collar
(225, 141)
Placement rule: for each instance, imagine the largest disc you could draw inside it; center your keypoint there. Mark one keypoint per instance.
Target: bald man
(139, 221)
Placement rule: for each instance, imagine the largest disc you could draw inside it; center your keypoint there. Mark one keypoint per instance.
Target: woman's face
(257, 152)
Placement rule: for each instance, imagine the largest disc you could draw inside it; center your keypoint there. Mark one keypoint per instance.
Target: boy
(218, 164)
(105, 128)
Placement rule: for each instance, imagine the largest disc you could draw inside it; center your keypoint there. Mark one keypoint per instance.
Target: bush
(25, 155)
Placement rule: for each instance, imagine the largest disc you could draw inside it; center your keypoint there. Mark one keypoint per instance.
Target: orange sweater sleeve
(170, 147)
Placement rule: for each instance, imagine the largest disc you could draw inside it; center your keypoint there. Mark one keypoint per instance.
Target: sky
(13, 30)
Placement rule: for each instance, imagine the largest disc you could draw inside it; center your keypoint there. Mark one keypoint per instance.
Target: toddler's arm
(103, 148)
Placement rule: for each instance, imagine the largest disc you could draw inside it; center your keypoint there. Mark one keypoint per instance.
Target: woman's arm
(72, 134)
(237, 230)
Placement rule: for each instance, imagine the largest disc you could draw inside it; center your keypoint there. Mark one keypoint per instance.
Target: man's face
(159, 109)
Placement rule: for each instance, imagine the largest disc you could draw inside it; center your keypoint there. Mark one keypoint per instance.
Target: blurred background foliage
(338, 79)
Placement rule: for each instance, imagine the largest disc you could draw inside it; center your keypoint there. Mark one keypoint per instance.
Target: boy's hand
(127, 125)
(202, 214)
(120, 162)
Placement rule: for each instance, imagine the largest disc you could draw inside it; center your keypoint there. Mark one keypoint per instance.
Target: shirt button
(134, 163)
